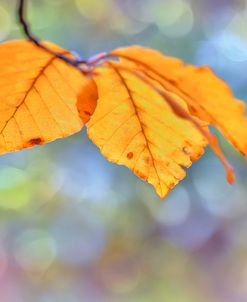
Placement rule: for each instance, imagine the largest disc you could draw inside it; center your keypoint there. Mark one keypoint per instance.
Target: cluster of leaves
(143, 110)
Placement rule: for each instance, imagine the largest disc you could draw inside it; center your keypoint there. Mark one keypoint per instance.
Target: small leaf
(87, 100)
(38, 96)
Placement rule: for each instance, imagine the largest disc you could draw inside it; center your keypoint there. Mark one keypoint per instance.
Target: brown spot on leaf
(87, 112)
(141, 175)
(173, 82)
(147, 160)
(186, 150)
(35, 141)
(203, 68)
(171, 185)
(130, 155)
(192, 109)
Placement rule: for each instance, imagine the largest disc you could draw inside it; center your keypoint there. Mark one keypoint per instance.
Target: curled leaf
(87, 100)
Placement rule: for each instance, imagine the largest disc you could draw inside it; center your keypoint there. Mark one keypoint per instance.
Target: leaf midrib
(41, 72)
(140, 122)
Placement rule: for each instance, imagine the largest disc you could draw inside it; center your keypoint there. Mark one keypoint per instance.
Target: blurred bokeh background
(74, 227)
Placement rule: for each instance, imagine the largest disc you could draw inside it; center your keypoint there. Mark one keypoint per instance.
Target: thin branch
(27, 31)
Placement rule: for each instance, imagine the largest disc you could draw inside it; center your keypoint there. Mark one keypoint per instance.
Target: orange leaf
(207, 96)
(87, 101)
(38, 96)
(133, 126)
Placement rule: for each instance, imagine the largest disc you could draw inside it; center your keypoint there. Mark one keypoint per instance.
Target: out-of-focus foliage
(74, 227)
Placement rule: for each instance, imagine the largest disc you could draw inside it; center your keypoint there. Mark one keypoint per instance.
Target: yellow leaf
(133, 126)
(207, 96)
(38, 96)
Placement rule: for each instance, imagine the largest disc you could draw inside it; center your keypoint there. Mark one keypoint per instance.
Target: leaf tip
(230, 175)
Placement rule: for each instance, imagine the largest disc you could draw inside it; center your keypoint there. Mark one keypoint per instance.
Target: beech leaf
(133, 126)
(38, 96)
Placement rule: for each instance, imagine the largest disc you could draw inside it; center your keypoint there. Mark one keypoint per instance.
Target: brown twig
(27, 31)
